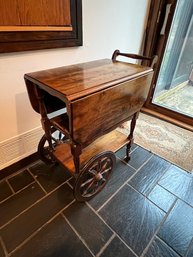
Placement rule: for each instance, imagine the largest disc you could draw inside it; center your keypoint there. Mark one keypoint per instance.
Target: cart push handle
(152, 59)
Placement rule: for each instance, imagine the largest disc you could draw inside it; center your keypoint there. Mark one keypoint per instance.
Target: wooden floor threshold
(167, 118)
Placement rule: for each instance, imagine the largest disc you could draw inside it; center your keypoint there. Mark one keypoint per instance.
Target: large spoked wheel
(94, 176)
(44, 151)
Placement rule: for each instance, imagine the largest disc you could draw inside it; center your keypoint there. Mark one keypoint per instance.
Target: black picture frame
(16, 41)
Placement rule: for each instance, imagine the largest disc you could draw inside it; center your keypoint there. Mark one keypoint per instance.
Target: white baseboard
(19, 147)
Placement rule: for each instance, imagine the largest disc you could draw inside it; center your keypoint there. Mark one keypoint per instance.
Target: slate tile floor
(146, 210)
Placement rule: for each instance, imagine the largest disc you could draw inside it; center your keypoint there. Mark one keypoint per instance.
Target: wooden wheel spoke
(88, 189)
(87, 182)
(105, 171)
(103, 180)
(106, 165)
(92, 172)
(98, 166)
(94, 167)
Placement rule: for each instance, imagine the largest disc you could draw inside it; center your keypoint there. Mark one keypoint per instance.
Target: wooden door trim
(155, 44)
(155, 113)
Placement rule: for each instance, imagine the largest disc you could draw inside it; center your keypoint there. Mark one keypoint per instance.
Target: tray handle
(152, 59)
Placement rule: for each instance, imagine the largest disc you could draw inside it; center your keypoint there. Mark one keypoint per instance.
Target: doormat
(170, 142)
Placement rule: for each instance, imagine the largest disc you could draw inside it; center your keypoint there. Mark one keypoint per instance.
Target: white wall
(107, 25)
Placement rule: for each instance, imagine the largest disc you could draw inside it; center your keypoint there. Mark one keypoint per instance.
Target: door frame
(155, 44)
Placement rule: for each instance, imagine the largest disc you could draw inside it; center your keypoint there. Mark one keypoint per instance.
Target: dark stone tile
(121, 174)
(88, 225)
(57, 239)
(160, 249)
(31, 220)
(72, 182)
(49, 176)
(117, 248)
(19, 202)
(190, 250)
(5, 190)
(138, 157)
(162, 198)
(122, 152)
(20, 180)
(179, 182)
(2, 254)
(134, 218)
(177, 230)
(149, 175)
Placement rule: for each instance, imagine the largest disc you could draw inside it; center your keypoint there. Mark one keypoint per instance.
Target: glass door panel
(174, 87)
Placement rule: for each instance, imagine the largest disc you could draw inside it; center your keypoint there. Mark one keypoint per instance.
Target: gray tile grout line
(126, 183)
(12, 190)
(131, 156)
(110, 228)
(123, 185)
(190, 245)
(15, 193)
(171, 207)
(3, 246)
(148, 198)
(37, 181)
(166, 213)
(168, 245)
(131, 165)
(126, 163)
(106, 245)
(125, 149)
(176, 196)
(40, 228)
(47, 194)
(164, 172)
(81, 239)
(143, 194)
(88, 204)
(14, 173)
(157, 230)
(29, 207)
(69, 185)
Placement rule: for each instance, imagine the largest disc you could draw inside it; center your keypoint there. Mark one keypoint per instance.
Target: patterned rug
(164, 139)
(179, 99)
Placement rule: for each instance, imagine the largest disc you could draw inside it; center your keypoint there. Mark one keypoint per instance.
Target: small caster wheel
(44, 151)
(94, 176)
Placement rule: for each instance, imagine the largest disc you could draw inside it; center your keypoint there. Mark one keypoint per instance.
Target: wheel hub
(98, 177)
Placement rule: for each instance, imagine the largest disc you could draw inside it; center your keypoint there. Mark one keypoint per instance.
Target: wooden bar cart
(81, 106)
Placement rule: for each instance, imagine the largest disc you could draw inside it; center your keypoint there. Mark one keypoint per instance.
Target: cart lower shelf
(112, 141)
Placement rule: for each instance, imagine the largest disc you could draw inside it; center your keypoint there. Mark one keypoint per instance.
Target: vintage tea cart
(81, 106)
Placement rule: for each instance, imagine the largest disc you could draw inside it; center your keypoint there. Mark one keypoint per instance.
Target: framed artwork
(39, 24)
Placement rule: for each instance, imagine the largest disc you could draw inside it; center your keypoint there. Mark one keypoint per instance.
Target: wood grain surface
(112, 141)
(35, 13)
(97, 114)
(80, 80)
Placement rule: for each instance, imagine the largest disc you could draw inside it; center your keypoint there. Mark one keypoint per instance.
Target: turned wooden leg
(76, 151)
(130, 137)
